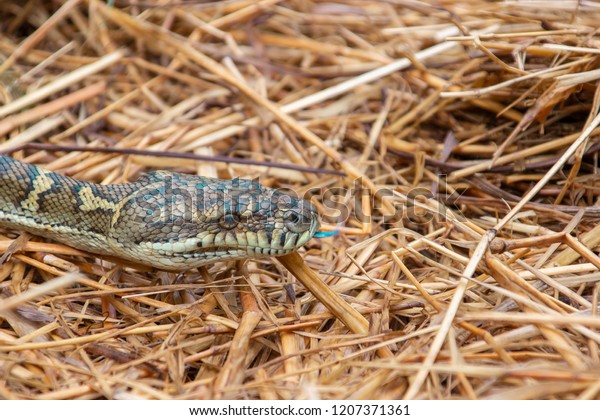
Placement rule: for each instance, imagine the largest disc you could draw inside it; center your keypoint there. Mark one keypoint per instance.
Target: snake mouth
(289, 243)
(245, 246)
(233, 252)
(216, 253)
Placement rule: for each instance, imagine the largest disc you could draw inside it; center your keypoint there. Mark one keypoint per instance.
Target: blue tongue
(325, 234)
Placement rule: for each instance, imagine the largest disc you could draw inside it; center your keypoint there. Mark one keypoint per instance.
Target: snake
(167, 220)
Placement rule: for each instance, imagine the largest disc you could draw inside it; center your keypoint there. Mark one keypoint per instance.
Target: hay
(459, 142)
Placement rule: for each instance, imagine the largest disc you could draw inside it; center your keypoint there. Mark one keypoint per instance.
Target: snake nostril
(297, 222)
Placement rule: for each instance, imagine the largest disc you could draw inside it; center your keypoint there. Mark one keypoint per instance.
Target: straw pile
(460, 145)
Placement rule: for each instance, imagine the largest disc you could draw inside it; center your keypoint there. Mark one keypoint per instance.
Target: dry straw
(459, 141)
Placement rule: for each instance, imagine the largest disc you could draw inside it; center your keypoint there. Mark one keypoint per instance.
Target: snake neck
(48, 204)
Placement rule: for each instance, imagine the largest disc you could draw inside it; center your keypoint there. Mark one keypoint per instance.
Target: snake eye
(296, 222)
(229, 221)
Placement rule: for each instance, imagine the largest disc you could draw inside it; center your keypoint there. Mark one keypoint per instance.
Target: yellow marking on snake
(92, 202)
(40, 185)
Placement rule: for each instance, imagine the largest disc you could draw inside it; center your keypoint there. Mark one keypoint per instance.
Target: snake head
(175, 221)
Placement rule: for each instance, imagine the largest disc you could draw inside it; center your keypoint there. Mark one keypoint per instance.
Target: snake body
(166, 220)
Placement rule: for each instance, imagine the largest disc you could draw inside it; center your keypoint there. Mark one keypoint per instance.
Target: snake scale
(165, 220)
